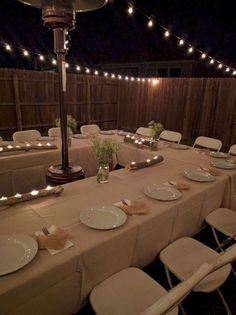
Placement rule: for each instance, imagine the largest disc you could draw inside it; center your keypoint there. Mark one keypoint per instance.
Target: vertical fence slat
(17, 102)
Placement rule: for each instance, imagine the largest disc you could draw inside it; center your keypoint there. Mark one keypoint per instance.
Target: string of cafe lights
(77, 68)
(151, 23)
(190, 49)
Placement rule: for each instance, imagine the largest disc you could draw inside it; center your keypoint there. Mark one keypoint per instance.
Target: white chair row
(173, 136)
(131, 291)
(167, 135)
(198, 267)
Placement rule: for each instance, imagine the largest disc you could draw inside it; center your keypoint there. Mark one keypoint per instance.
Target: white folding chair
(224, 221)
(184, 256)
(132, 292)
(89, 129)
(142, 131)
(171, 136)
(26, 135)
(232, 149)
(56, 132)
(209, 143)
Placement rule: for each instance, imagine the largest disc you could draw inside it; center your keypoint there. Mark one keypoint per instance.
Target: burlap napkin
(132, 207)
(178, 185)
(210, 170)
(57, 241)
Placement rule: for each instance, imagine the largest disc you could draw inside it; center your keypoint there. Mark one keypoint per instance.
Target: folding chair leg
(171, 286)
(224, 302)
(217, 240)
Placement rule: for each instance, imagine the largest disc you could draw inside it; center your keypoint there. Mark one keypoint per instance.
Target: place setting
(107, 132)
(110, 217)
(227, 164)
(103, 217)
(199, 175)
(162, 192)
(178, 146)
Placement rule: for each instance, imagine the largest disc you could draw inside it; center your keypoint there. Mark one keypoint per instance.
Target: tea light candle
(148, 161)
(133, 163)
(155, 157)
(34, 192)
(132, 137)
(3, 198)
(9, 146)
(18, 147)
(48, 188)
(17, 195)
(48, 144)
(136, 141)
(128, 136)
(39, 144)
(1, 149)
(28, 145)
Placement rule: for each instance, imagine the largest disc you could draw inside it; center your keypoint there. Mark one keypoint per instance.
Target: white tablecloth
(60, 284)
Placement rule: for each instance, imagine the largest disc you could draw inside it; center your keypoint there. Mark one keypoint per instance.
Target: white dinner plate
(178, 146)
(161, 192)
(103, 217)
(107, 132)
(16, 251)
(224, 164)
(46, 138)
(122, 133)
(80, 136)
(219, 154)
(199, 176)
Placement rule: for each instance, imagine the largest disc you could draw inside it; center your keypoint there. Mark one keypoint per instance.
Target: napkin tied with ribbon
(210, 170)
(179, 186)
(132, 207)
(55, 242)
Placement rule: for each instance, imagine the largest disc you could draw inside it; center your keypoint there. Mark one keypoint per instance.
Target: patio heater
(59, 16)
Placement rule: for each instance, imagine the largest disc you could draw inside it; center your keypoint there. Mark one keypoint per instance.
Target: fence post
(17, 102)
(88, 118)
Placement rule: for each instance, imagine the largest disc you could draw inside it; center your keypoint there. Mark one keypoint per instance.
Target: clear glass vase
(103, 174)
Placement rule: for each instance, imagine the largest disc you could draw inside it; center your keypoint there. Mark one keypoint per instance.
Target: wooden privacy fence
(192, 106)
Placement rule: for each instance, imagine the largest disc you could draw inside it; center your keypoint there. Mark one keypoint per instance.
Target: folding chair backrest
(26, 135)
(210, 143)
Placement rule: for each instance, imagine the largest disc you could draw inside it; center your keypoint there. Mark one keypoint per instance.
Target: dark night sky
(109, 35)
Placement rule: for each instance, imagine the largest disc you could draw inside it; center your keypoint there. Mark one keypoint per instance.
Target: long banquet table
(60, 284)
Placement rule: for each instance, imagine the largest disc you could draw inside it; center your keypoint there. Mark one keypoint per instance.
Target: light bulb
(203, 56)
(54, 62)
(25, 53)
(167, 33)
(181, 42)
(212, 61)
(190, 50)
(130, 10)
(41, 57)
(78, 68)
(8, 47)
(150, 23)
(96, 72)
(87, 70)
